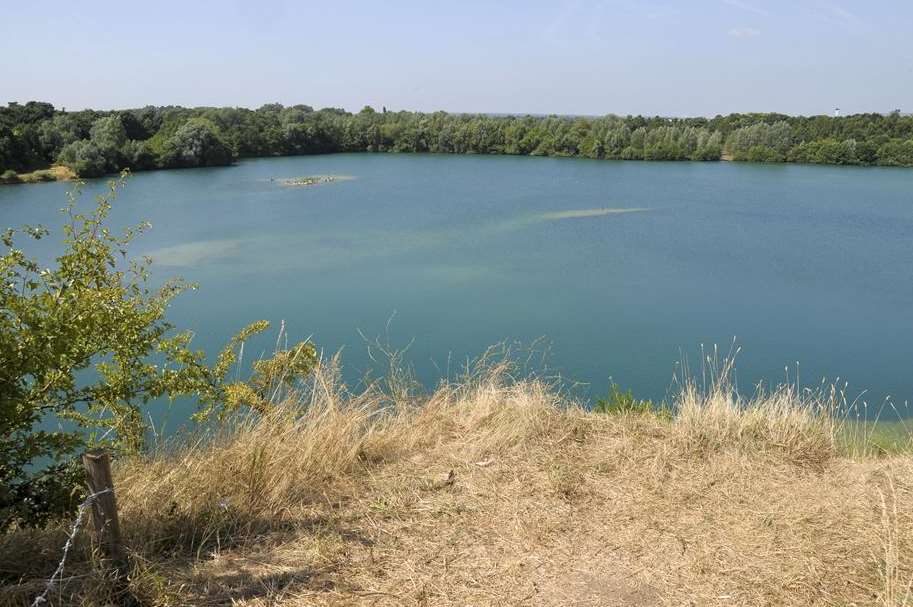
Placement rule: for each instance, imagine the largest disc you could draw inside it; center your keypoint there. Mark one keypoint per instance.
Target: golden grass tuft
(495, 490)
(802, 428)
(251, 475)
(55, 172)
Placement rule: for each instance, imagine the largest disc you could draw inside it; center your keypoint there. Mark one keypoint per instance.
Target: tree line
(92, 143)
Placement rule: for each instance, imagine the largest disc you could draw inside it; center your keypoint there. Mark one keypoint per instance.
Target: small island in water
(310, 180)
(299, 181)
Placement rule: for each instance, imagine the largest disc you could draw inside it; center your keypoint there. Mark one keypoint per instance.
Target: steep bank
(494, 492)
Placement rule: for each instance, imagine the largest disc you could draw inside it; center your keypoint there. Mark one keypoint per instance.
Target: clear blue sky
(699, 57)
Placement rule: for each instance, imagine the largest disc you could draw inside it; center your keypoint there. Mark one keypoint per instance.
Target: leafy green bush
(9, 176)
(85, 158)
(618, 402)
(896, 153)
(94, 312)
(760, 153)
(195, 143)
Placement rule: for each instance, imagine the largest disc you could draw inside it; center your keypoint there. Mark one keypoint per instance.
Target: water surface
(622, 266)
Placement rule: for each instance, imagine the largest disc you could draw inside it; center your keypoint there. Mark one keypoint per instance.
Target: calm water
(798, 263)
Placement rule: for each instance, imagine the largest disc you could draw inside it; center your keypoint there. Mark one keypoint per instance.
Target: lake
(623, 267)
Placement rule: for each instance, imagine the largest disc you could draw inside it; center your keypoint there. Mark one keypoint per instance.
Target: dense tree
(9, 153)
(92, 142)
(110, 137)
(761, 142)
(84, 157)
(32, 112)
(196, 143)
(60, 131)
(896, 153)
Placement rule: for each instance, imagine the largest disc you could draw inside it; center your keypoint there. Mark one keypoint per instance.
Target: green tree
(85, 158)
(35, 133)
(109, 134)
(58, 132)
(8, 153)
(196, 143)
(896, 153)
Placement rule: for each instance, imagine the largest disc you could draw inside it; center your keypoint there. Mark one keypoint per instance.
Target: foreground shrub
(86, 342)
(619, 401)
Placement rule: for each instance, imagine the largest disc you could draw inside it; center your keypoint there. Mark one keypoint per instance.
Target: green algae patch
(190, 254)
(582, 213)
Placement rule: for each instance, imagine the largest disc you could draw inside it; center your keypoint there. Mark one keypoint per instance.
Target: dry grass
(55, 172)
(492, 491)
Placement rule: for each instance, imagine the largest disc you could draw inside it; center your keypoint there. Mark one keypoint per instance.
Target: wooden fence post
(104, 510)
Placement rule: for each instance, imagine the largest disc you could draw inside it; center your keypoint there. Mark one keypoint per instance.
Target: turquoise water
(799, 264)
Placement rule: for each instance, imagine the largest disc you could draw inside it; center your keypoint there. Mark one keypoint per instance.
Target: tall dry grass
(895, 541)
(293, 471)
(804, 426)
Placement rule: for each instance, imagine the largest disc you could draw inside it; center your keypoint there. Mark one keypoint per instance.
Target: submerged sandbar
(580, 213)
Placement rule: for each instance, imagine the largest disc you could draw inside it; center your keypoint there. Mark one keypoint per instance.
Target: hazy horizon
(356, 109)
(569, 58)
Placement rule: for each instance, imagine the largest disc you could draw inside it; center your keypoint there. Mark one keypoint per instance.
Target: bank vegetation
(36, 135)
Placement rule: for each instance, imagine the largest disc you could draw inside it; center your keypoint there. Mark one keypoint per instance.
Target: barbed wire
(43, 597)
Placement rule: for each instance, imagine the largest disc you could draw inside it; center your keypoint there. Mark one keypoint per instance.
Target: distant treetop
(35, 135)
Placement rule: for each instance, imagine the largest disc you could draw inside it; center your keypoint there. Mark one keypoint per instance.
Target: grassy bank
(500, 491)
(55, 172)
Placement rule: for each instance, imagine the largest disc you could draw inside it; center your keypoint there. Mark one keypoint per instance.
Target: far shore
(60, 172)
(56, 172)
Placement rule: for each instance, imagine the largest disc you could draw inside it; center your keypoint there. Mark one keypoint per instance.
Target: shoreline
(64, 173)
(55, 172)
(502, 489)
